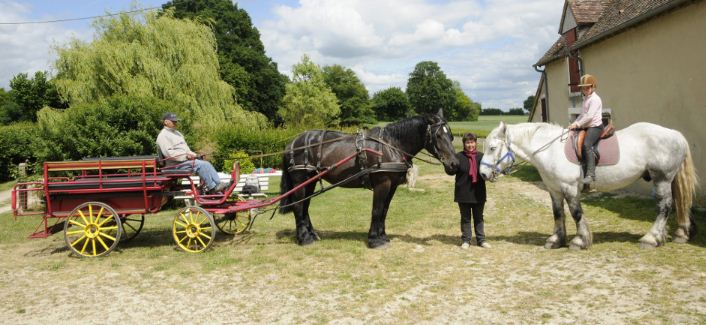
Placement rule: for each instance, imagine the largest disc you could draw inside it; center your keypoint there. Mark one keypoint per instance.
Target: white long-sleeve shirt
(591, 112)
(173, 145)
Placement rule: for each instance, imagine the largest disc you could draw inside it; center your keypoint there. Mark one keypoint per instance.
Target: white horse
(646, 150)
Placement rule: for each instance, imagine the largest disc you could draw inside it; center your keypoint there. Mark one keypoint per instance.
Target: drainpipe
(546, 88)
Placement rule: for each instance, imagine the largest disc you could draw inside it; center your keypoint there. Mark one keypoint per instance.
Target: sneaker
(465, 245)
(588, 180)
(485, 245)
(218, 188)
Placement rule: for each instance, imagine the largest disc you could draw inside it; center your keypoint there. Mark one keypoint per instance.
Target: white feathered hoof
(648, 242)
(680, 236)
(577, 244)
(553, 242)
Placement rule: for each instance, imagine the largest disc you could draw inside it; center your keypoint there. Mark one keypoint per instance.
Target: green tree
(351, 93)
(391, 104)
(26, 97)
(149, 56)
(529, 103)
(308, 102)
(17, 144)
(464, 109)
(121, 125)
(9, 110)
(243, 64)
(429, 90)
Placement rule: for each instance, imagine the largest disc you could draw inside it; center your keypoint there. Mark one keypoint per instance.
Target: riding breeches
(592, 136)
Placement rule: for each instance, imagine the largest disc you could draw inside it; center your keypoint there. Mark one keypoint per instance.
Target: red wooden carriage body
(99, 202)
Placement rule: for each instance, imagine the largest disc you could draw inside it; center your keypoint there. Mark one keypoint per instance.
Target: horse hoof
(554, 245)
(378, 244)
(680, 240)
(575, 247)
(306, 242)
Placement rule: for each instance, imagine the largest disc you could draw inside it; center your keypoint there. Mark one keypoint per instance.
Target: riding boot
(590, 167)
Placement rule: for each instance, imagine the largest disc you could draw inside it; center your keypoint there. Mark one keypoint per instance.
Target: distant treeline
(497, 111)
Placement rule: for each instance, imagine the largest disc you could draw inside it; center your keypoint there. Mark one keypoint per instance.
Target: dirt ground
(515, 283)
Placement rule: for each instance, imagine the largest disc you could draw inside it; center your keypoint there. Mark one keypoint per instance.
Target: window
(574, 69)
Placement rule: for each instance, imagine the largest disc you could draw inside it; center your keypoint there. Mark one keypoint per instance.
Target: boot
(590, 167)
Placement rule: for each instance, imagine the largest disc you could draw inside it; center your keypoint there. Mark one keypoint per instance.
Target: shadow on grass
(526, 173)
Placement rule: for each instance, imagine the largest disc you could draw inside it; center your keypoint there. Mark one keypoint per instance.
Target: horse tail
(284, 186)
(683, 190)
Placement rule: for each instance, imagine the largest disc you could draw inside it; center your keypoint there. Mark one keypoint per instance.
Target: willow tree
(149, 56)
(308, 101)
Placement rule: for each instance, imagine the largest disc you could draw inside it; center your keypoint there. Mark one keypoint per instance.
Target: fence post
(22, 195)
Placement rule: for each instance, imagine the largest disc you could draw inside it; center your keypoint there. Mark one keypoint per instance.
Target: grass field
(484, 124)
(423, 277)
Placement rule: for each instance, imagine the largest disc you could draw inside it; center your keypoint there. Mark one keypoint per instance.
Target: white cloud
(488, 46)
(28, 48)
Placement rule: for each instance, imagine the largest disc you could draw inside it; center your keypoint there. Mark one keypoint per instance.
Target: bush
(17, 144)
(265, 141)
(119, 126)
(246, 165)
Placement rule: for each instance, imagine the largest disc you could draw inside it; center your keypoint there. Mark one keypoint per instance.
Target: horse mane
(529, 129)
(401, 128)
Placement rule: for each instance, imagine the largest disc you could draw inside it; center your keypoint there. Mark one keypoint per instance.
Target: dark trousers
(477, 209)
(592, 136)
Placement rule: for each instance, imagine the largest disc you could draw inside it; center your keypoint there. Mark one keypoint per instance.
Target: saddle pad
(608, 149)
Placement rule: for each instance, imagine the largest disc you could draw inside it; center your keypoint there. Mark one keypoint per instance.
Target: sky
(489, 47)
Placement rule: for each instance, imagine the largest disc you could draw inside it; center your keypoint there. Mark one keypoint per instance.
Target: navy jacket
(465, 191)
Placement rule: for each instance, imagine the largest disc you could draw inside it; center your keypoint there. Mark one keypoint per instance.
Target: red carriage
(100, 202)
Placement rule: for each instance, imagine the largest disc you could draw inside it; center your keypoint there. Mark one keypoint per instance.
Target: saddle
(607, 149)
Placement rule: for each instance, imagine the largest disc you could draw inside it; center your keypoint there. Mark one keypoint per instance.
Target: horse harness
(362, 158)
(509, 155)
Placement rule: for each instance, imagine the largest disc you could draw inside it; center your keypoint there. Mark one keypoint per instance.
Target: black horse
(398, 142)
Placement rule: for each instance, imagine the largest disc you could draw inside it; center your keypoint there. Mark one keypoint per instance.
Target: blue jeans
(205, 171)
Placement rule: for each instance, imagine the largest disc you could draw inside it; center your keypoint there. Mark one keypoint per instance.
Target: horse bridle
(431, 134)
(509, 155)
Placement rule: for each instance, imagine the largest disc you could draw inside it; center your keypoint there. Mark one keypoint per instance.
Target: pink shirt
(592, 112)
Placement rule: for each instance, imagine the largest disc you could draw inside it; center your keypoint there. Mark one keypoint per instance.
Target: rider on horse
(591, 119)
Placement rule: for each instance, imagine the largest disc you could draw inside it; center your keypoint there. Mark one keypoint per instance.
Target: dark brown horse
(398, 142)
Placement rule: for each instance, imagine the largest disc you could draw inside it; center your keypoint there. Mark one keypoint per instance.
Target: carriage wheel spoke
(202, 243)
(106, 236)
(77, 223)
(85, 245)
(93, 243)
(98, 216)
(107, 218)
(78, 240)
(203, 234)
(102, 243)
(74, 232)
(85, 221)
(90, 213)
(181, 224)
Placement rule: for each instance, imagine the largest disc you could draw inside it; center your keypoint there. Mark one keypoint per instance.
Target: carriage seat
(86, 183)
(166, 166)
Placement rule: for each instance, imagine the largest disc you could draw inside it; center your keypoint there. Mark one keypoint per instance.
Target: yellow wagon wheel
(235, 223)
(92, 229)
(194, 229)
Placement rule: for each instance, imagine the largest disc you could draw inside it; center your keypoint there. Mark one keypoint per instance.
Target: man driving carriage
(178, 155)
